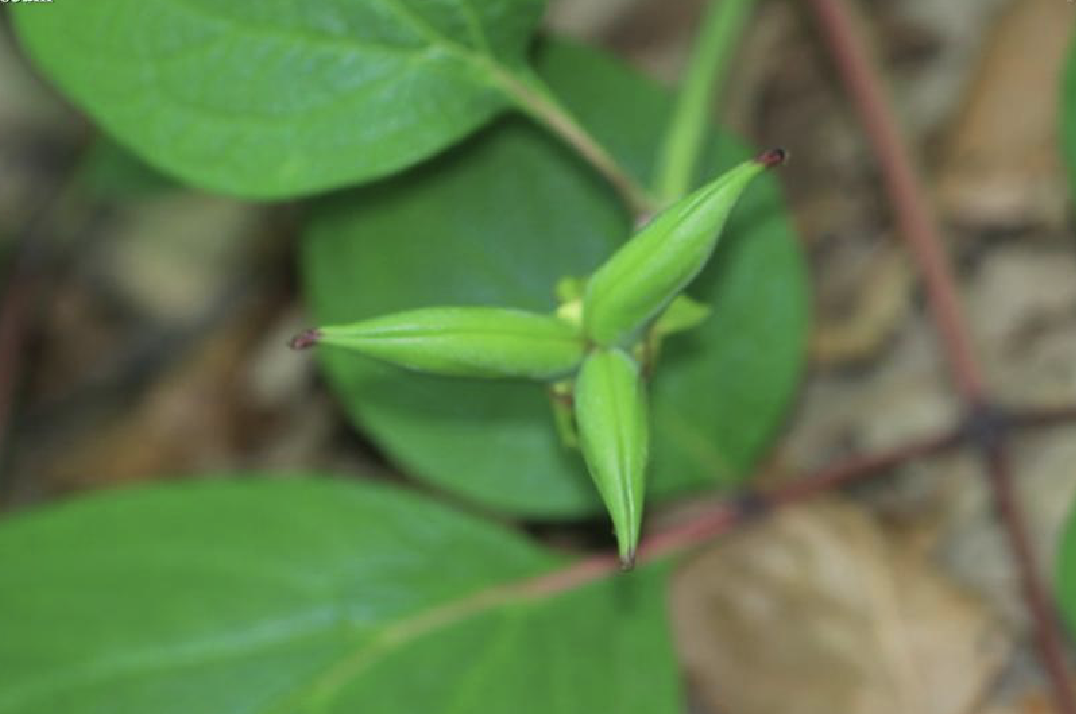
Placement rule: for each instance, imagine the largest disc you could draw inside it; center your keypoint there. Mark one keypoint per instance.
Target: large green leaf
(311, 595)
(278, 97)
(496, 222)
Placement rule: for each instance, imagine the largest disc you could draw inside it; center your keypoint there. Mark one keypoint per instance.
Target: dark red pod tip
(772, 157)
(305, 339)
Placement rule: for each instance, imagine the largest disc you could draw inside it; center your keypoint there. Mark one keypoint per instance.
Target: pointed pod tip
(772, 157)
(305, 339)
(627, 560)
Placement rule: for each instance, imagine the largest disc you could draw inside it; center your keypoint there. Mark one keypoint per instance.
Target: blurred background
(143, 330)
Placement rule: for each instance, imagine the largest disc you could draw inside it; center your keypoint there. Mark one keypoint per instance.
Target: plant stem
(1047, 627)
(721, 28)
(987, 427)
(727, 515)
(904, 188)
(1043, 417)
(535, 99)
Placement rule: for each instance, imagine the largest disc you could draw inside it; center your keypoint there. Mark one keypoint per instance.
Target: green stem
(722, 26)
(534, 98)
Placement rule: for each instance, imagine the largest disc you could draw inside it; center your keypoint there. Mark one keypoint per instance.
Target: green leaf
(498, 222)
(1066, 571)
(658, 262)
(467, 341)
(610, 410)
(1068, 117)
(277, 98)
(309, 595)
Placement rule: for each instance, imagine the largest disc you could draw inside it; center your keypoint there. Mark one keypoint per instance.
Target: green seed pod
(461, 341)
(610, 413)
(648, 271)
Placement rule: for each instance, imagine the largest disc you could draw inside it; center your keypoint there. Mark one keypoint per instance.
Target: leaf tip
(772, 157)
(305, 339)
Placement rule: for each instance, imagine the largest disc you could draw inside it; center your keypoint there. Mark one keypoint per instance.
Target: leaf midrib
(322, 688)
(221, 647)
(376, 643)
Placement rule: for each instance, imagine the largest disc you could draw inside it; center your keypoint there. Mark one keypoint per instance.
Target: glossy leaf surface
(276, 98)
(309, 595)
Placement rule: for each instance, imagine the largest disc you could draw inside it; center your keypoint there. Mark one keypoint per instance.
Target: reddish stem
(903, 186)
(905, 191)
(1039, 602)
(1043, 417)
(724, 517)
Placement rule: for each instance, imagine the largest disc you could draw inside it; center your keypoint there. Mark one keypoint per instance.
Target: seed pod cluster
(626, 307)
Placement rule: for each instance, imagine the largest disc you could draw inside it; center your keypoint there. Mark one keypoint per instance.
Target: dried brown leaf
(1002, 166)
(816, 611)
